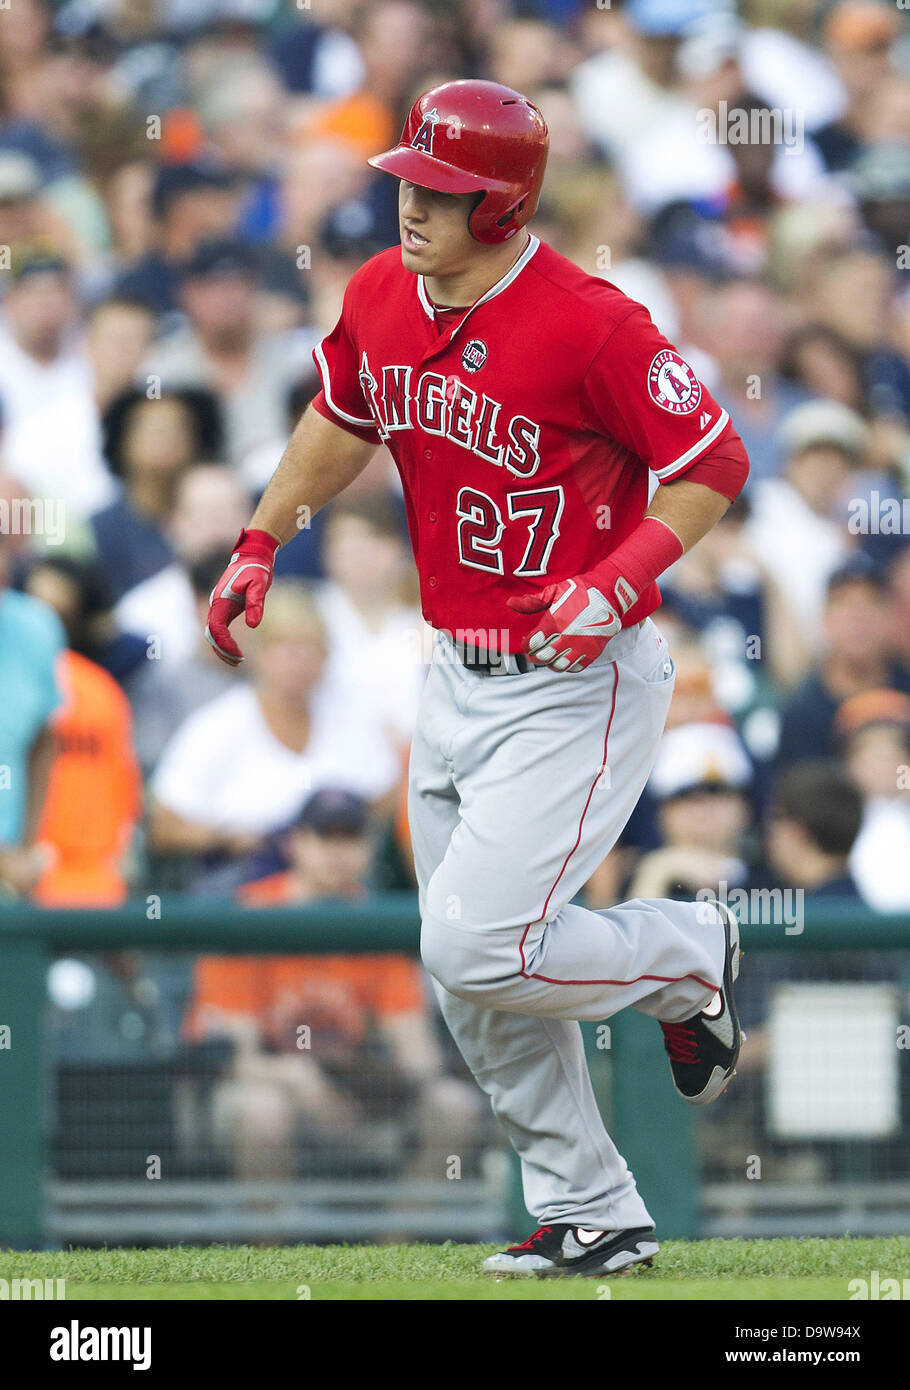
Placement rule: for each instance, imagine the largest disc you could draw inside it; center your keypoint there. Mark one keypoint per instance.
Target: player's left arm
(689, 509)
(639, 391)
(584, 612)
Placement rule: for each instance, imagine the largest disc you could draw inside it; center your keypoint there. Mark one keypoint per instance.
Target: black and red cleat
(704, 1050)
(560, 1249)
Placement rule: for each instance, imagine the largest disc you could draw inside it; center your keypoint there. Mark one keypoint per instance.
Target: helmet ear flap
(472, 214)
(512, 212)
(500, 223)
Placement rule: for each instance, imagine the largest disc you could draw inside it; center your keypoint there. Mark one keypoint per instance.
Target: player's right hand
(241, 589)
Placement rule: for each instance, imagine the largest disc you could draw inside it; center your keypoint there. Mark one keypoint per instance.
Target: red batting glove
(583, 613)
(241, 589)
(578, 622)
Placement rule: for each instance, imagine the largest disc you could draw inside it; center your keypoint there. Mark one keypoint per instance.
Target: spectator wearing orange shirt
(369, 1051)
(94, 799)
(397, 41)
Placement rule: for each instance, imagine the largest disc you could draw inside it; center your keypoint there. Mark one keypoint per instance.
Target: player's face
(434, 230)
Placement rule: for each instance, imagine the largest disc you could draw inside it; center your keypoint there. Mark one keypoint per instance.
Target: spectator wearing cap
(224, 349)
(701, 784)
(880, 182)
(859, 38)
(856, 656)
(812, 824)
(642, 99)
(631, 88)
(354, 230)
(329, 850)
(20, 182)
(26, 215)
(828, 364)
(291, 731)
(52, 438)
(873, 732)
(190, 203)
(374, 1050)
(694, 697)
(690, 254)
(851, 289)
(799, 519)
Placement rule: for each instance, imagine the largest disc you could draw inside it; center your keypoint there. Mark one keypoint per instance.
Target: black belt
(502, 664)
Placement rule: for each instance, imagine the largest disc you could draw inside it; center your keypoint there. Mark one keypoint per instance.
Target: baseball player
(524, 403)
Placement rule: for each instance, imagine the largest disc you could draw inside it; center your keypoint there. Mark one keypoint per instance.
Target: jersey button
(433, 516)
(432, 581)
(428, 453)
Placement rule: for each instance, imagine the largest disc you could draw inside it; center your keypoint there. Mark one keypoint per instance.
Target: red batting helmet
(475, 137)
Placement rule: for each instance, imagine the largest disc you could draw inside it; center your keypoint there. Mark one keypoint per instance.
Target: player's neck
(486, 269)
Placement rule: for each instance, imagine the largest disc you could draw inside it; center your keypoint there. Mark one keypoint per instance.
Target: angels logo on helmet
(476, 137)
(423, 140)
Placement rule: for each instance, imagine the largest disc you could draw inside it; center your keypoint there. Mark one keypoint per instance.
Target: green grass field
(708, 1269)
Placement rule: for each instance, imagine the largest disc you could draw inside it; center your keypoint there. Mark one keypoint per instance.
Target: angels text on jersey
(449, 408)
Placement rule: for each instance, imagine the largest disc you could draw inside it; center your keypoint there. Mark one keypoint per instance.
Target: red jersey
(523, 432)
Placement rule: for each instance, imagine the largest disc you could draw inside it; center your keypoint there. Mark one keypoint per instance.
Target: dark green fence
(650, 1125)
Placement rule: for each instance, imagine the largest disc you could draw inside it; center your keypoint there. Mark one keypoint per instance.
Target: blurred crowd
(183, 198)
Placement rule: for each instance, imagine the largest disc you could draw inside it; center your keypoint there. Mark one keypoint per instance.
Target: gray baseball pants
(520, 784)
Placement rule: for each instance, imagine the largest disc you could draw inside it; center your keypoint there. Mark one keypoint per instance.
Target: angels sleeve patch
(672, 384)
